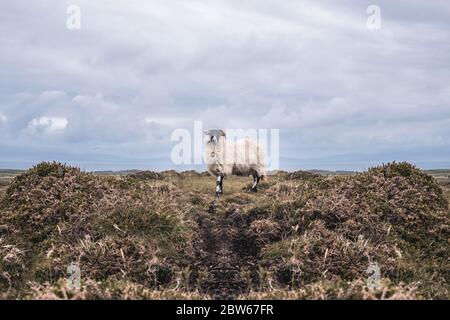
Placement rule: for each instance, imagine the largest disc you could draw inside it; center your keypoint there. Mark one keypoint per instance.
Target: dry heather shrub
(339, 290)
(280, 174)
(394, 198)
(190, 174)
(320, 253)
(146, 175)
(119, 257)
(265, 230)
(48, 194)
(332, 227)
(171, 175)
(12, 264)
(109, 290)
(116, 228)
(302, 175)
(447, 193)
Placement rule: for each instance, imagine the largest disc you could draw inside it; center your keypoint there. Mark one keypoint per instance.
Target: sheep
(242, 158)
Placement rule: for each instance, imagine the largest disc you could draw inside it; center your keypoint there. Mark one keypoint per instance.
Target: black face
(214, 139)
(214, 132)
(214, 135)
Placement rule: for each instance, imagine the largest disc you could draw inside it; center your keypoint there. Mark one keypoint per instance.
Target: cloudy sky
(108, 96)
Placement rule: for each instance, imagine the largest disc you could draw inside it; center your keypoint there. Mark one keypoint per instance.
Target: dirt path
(226, 253)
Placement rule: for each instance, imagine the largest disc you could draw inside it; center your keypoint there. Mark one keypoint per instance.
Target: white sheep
(242, 158)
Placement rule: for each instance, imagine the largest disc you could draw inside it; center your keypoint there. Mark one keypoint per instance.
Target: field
(148, 235)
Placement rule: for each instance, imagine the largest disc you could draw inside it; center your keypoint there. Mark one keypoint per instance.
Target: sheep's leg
(219, 180)
(255, 183)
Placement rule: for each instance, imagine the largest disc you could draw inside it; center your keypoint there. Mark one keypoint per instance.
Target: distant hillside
(438, 172)
(10, 171)
(116, 173)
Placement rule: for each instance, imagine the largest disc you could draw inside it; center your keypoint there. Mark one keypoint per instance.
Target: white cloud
(48, 125)
(170, 121)
(136, 70)
(312, 115)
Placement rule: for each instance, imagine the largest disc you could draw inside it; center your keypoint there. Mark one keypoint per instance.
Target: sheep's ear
(222, 133)
(207, 132)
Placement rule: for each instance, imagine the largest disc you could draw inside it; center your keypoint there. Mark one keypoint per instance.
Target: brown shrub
(109, 290)
(118, 228)
(190, 174)
(12, 264)
(302, 175)
(265, 230)
(320, 253)
(133, 236)
(333, 227)
(146, 175)
(339, 290)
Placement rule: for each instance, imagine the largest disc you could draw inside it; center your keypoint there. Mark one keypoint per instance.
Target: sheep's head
(214, 135)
